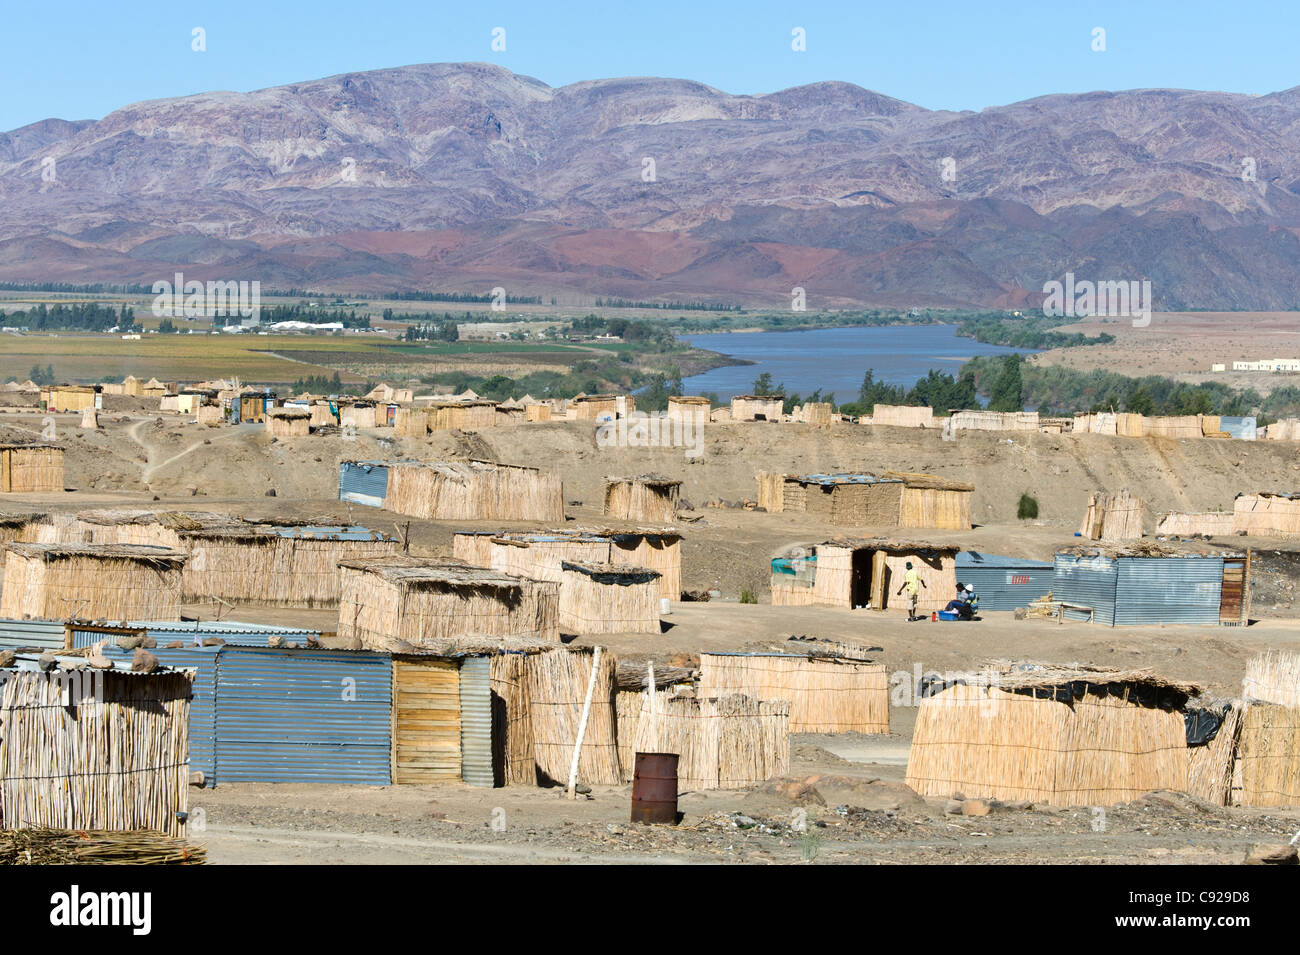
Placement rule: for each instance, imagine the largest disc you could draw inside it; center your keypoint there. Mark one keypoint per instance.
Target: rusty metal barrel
(654, 788)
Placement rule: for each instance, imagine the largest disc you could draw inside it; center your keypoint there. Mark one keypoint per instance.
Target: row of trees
(76, 317)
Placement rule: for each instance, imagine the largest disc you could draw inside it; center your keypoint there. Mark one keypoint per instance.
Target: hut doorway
(860, 579)
(1232, 596)
(880, 577)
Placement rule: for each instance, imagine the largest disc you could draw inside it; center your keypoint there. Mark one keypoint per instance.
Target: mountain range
(464, 177)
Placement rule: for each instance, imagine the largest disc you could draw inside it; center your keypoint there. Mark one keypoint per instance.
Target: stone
(176, 645)
(143, 661)
(6, 658)
(975, 807)
(1267, 854)
(213, 642)
(130, 641)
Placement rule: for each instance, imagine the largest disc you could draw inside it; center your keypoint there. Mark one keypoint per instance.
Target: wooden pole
(582, 725)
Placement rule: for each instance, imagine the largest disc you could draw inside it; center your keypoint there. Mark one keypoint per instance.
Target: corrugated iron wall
(1089, 581)
(476, 721)
(362, 483)
(303, 716)
(1168, 590)
(42, 634)
(1004, 583)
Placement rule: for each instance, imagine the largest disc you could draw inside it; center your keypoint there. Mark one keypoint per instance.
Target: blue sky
(81, 60)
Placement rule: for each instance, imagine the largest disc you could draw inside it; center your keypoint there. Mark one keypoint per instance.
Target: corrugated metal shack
(1124, 588)
(363, 482)
(1004, 583)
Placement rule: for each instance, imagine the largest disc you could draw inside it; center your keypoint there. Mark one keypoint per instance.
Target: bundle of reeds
(94, 750)
(388, 602)
(474, 490)
(647, 498)
(557, 689)
(826, 694)
(96, 847)
(608, 598)
(1112, 517)
(1273, 677)
(1208, 523)
(1072, 744)
(1211, 765)
(92, 581)
(514, 759)
(31, 467)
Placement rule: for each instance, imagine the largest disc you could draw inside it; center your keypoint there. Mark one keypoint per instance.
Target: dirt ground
(848, 789)
(1183, 346)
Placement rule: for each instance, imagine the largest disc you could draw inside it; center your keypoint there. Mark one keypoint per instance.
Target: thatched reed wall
(1267, 770)
(71, 398)
(139, 526)
(321, 415)
(33, 527)
(903, 416)
(1098, 748)
(393, 603)
(771, 492)
(657, 551)
(757, 407)
(267, 565)
(930, 502)
(728, 742)
(1209, 523)
(605, 598)
(514, 761)
(540, 556)
(1273, 677)
(1182, 426)
(475, 549)
(592, 407)
(537, 413)
(652, 500)
(826, 694)
(689, 408)
(30, 467)
(1266, 514)
(411, 422)
(91, 581)
(288, 422)
(995, 420)
(363, 415)
(557, 688)
(465, 415)
(68, 761)
(814, 413)
(210, 416)
(474, 490)
(1211, 765)
(1288, 429)
(1112, 517)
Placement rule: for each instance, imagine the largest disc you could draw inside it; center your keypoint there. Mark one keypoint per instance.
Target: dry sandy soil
(1183, 345)
(857, 793)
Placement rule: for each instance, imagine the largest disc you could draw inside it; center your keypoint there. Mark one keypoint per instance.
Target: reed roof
(650, 480)
(1029, 675)
(611, 573)
(174, 520)
(929, 481)
(891, 544)
(138, 553)
(413, 572)
(293, 413)
(19, 518)
(30, 446)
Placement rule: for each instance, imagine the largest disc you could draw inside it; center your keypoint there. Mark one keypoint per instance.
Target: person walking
(912, 583)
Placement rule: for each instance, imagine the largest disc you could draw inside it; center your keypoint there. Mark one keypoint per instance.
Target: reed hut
(462, 415)
(1064, 736)
(30, 468)
(659, 550)
(647, 498)
(359, 414)
(727, 742)
(1112, 517)
(397, 602)
(99, 750)
(1266, 514)
(828, 693)
(865, 574)
(903, 416)
(608, 598)
(537, 412)
(91, 581)
(1266, 767)
(689, 409)
(140, 526)
(894, 499)
(538, 556)
(323, 414)
(818, 414)
(288, 422)
(210, 415)
(1288, 429)
(411, 422)
(474, 491)
(596, 407)
(274, 564)
(72, 397)
(757, 407)
(30, 527)
(1204, 523)
(254, 405)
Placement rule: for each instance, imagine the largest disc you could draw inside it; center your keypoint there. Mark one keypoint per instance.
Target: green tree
(1007, 393)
